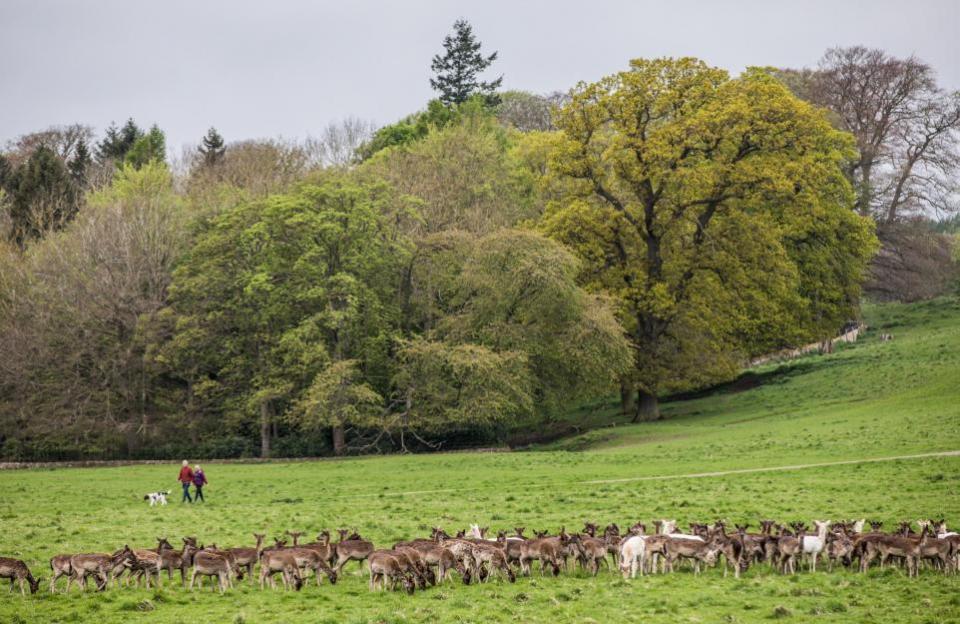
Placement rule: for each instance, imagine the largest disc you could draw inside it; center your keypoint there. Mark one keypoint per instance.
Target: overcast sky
(287, 67)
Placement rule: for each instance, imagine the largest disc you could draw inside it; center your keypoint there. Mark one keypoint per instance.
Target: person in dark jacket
(199, 480)
(185, 479)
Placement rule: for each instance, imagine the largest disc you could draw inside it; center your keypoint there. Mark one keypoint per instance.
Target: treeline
(472, 269)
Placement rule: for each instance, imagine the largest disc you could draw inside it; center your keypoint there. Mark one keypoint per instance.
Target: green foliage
(417, 126)
(118, 141)
(698, 201)
(275, 290)
(444, 387)
(43, 195)
(151, 147)
(457, 71)
(517, 292)
(462, 176)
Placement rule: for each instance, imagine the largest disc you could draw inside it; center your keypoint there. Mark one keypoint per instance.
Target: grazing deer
(274, 560)
(495, 557)
(699, 551)
(308, 558)
(18, 572)
(248, 557)
(543, 549)
(100, 566)
(384, 565)
(632, 554)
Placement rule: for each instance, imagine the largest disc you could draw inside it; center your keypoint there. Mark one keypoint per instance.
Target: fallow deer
(18, 572)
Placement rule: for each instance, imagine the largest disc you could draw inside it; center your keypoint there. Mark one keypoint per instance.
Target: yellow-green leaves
(683, 192)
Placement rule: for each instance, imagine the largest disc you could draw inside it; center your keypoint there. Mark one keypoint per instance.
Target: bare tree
(919, 173)
(906, 128)
(61, 139)
(338, 142)
(529, 111)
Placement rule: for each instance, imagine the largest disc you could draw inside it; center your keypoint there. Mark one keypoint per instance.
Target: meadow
(812, 438)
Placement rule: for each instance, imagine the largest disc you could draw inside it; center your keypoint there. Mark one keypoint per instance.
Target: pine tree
(150, 147)
(80, 163)
(213, 147)
(118, 141)
(457, 71)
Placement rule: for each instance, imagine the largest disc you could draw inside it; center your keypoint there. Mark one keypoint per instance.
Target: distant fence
(824, 346)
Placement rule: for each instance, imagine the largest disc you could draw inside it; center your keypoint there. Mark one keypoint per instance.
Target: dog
(157, 498)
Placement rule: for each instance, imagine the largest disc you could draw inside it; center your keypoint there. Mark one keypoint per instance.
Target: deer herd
(471, 556)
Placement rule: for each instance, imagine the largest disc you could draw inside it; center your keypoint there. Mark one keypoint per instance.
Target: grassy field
(869, 401)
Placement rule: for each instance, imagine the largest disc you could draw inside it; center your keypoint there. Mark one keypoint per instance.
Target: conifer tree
(213, 147)
(458, 69)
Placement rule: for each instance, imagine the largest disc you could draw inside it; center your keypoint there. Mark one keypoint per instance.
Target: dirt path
(723, 473)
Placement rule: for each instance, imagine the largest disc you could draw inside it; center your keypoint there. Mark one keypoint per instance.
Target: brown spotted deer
(546, 550)
(351, 550)
(790, 548)
(18, 572)
(99, 566)
(495, 558)
(699, 551)
(310, 559)
(59, 566)
(385, 565)
(278, 560)
(207, 563)
(591, 552)
(248, 557)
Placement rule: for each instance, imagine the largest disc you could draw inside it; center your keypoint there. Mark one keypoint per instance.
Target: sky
(286, 68)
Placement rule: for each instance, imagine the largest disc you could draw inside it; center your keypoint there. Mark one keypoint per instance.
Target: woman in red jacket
(186, 479)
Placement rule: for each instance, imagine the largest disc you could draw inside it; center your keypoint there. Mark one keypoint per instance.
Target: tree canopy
(701, 203)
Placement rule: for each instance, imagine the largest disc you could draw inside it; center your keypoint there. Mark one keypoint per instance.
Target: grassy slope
(869, 400)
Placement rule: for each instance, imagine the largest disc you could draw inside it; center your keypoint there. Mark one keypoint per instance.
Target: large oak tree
(715, 210)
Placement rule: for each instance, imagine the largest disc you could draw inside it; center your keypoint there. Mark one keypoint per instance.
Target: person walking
(186, 478)
(199, 480)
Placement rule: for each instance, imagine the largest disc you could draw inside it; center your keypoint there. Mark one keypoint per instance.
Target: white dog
(157, 498)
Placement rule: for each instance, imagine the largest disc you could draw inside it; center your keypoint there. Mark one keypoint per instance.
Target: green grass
(869, 400)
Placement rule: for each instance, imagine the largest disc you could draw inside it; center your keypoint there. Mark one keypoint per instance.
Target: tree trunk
(265, 429)
(648, 408)
(339, 445)
(628, 397)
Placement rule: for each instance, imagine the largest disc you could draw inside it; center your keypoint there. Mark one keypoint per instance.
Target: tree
(339, 143)
(277, 290)
(118, 141)
(71, 309)
(212, 148)
(906, 128)
(462, 176)
(151, 147)
(43, 196)
(527, 111)
(517, 293)
(457, 71)
(80, 164)
(701, 204)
